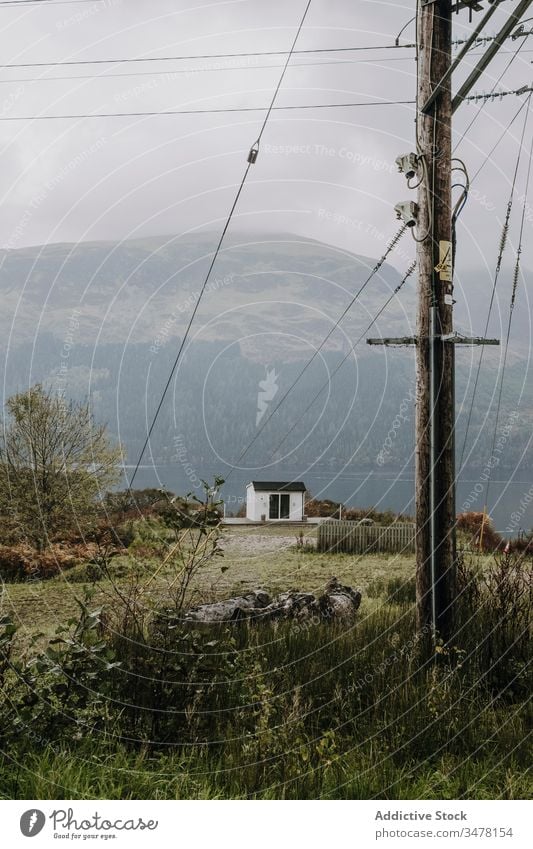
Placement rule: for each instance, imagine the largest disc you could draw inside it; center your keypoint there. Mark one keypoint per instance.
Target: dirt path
(242, 545)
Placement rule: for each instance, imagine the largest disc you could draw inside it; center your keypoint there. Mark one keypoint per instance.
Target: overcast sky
(325, 173)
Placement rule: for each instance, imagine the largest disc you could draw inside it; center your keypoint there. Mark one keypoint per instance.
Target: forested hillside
(104, 320)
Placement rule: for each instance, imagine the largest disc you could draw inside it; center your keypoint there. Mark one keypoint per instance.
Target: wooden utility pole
(435, 411)
(435, 340)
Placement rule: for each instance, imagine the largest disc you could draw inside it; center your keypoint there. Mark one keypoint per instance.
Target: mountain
(104, 320)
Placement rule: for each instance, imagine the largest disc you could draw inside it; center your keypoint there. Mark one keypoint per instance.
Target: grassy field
(264, 557)
(117, 708)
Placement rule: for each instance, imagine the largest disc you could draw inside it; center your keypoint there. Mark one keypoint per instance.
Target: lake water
(510, 501)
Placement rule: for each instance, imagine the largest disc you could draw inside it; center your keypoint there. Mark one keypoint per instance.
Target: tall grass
(131, 706)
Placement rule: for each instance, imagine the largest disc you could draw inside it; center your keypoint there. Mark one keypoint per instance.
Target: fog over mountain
(104, 320)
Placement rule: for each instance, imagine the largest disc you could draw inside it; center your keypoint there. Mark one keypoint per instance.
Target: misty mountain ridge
(103, 320)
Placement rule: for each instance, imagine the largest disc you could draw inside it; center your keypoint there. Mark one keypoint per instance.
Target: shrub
(324, 507)
(495, 610)
(23, 563)
(134, 504)
(62, 689)
(523, 545)
(472, 523)
(330, 509)
(387, 517)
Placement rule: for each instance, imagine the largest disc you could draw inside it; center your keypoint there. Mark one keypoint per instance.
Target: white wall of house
(258, 505)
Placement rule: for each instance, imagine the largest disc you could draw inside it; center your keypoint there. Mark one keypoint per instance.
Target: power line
(222, 110)
(503, 242)
(392, 244)
(480, 110)
(251, 160)
(46, 2)
(192, 57)
(193, 71)
(488, 156)
(324, 63)
(510, 320)
(499, 95)
(346, 357)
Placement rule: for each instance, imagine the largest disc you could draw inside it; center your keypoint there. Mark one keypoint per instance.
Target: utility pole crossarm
(460, 56)
(486, 59)
(458, 339)
(400, 341)
(451, 338)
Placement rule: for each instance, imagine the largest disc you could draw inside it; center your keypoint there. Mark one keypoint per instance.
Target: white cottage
(275, 501)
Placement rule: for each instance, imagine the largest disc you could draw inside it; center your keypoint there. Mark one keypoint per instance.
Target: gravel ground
(253, 544)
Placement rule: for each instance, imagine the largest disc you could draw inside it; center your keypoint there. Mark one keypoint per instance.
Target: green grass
(42, 605)
(105, 772)
(273, 711)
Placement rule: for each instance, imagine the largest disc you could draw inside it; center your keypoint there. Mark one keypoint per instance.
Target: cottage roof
(279, 486)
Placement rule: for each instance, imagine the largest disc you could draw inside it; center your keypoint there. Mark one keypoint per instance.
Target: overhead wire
(503, 243)
(461, 201)
(44, 3)
(351, 350)
(488, 156)
(324, 63)
(171, 73)
(510, 319)
(222, 110)
(271, 108)
(195, 56)
(498, 95)
(251, 160)
(482, 106)
(390, 247)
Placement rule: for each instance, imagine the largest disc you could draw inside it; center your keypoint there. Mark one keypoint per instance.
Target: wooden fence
(354, 538)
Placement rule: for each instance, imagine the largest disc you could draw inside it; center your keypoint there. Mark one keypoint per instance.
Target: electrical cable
(251, 160)
(282, 76)
(510, 319)
(488, 157)
(480, 110)
(242, 55)
(222, 110)
(461, 201)
(498, 95)
(503, 242)
(392, 244)
(458, 208)
(324, 63)
(419, 150)
(44, 3)
(381, 310)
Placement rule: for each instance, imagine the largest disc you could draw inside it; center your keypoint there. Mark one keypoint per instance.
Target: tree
(56, 464)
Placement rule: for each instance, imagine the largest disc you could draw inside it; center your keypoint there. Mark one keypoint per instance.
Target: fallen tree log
(229, 609)
(337, 603)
